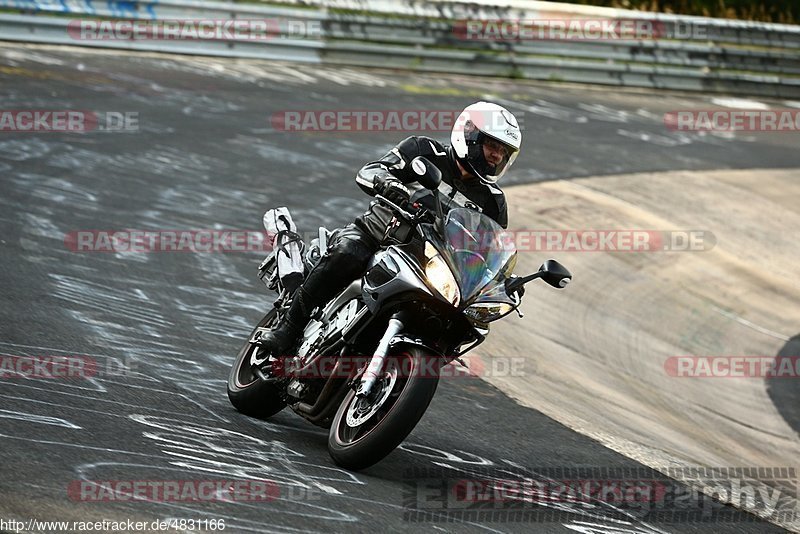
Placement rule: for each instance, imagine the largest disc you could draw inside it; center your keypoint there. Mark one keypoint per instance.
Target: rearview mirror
(555, 274)
(550, 271)
(428, 175)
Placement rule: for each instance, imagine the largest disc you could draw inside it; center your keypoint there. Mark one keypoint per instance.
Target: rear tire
(395, 419)
(248, 394)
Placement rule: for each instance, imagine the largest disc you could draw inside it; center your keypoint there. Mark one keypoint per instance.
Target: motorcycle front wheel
(365, 430)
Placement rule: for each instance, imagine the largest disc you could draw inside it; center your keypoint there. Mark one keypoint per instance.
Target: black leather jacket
(453, 191)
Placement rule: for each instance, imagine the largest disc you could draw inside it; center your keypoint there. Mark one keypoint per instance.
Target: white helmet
(474, 126)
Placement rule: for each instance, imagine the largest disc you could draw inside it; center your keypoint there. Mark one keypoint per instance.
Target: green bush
(785, 11)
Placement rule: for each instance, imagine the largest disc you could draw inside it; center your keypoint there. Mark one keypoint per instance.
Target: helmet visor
(492, 156)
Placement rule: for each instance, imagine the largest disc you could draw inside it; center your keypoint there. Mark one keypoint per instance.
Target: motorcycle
(368, 362)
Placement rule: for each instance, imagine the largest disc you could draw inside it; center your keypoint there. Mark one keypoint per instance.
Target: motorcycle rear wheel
(248, 394)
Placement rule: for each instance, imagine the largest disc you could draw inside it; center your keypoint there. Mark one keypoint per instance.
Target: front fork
(367, 380)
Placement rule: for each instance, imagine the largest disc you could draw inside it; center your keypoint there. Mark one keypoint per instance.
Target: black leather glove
(392, 189)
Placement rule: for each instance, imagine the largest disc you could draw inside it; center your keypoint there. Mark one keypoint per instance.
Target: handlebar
(421, 215)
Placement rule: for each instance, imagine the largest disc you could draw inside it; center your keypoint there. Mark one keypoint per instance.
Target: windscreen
(480, 253)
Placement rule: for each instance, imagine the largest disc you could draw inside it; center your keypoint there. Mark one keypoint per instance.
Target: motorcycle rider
(485, 141)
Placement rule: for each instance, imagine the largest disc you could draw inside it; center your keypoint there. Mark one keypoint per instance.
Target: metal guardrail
(664, 52)
(51, 30)
(736, 57)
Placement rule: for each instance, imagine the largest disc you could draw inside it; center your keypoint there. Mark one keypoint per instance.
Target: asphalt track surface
(206, 157)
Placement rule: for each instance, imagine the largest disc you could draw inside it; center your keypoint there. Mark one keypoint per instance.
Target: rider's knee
(351, 251)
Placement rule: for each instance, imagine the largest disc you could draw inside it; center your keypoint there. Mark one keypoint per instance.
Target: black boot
(278, 341)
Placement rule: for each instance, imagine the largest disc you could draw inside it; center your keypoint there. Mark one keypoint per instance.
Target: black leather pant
(345, 260)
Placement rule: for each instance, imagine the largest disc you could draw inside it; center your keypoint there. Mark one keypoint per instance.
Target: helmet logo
(509, 118)
(419, 167)
(513, 135)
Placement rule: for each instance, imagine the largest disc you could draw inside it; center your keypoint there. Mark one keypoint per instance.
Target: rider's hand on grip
(393, 190)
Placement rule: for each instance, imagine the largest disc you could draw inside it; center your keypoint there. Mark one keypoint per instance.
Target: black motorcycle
(368, 362)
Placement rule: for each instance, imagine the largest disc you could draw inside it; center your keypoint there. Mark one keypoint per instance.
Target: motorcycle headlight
(485, 312)
(440, 276)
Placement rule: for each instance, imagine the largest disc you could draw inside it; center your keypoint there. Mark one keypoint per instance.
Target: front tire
(383, 428)
(248, 394)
